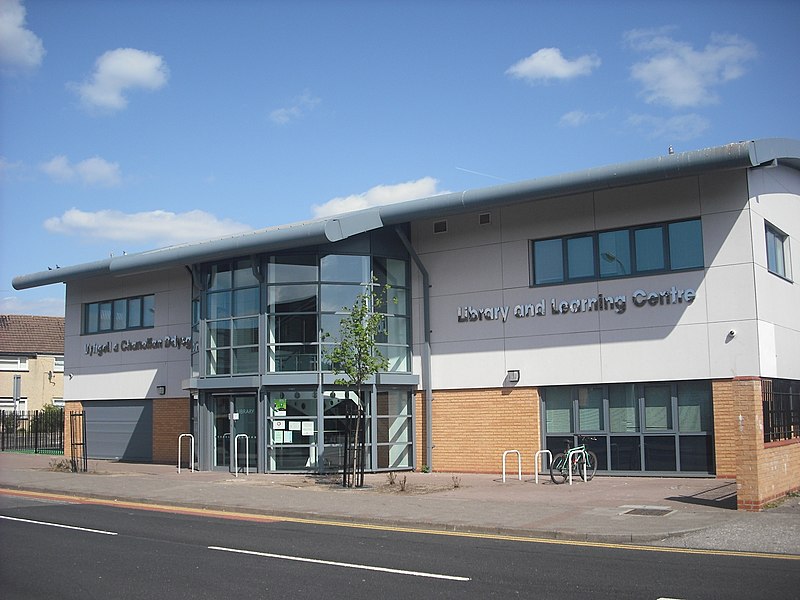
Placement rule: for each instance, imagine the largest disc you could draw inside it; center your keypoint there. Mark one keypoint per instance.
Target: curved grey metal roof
(738, 155)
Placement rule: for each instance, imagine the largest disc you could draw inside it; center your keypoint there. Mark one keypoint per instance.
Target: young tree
(356, 357)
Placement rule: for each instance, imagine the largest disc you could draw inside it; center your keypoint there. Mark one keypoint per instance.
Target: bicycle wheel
(591, 465)
(558, 468)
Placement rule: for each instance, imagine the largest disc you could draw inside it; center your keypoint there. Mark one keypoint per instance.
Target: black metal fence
(39, 431)
(781, 401)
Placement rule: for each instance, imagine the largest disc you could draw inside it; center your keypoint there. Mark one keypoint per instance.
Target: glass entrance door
(235, 432)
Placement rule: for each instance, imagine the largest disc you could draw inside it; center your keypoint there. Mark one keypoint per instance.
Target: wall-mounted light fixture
(161, 389)
(513, 376)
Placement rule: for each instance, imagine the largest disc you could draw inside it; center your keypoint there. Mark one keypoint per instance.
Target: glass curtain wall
(656, 428)
(281, 314)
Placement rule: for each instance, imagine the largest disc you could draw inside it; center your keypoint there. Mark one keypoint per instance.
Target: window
(58, 364)
(778, 252)
(122, 314)
(673, 246)
(781, 406)
(13, 363)
(232, 308)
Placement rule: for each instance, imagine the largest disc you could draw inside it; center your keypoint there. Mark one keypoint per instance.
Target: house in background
(31, 352)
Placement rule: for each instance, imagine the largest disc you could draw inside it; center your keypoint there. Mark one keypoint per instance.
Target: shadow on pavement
(722, 496)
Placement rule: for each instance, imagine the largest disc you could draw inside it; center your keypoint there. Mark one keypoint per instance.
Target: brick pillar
(70, 407)
(170, 419)
(726, 432)
(750, 433)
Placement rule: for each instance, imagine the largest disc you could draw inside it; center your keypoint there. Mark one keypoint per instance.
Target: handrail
(519, 463)
(536, 461)
(246, 454)
(191, 451)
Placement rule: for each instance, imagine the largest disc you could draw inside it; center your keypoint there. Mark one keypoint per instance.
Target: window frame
(779, 242)
(633, 268)
(92, 314)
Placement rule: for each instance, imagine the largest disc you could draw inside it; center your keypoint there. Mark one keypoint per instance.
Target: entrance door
(235, 432)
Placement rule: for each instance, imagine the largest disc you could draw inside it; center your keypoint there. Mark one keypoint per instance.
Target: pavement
(654, 511)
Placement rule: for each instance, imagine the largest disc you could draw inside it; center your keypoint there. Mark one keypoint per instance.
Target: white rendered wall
(128, 374)
(488, 266)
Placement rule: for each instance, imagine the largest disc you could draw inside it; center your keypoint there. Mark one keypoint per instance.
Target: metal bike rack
(536, 461)
(519, 463)
(191, 451)
(246, 454)
(569, 465)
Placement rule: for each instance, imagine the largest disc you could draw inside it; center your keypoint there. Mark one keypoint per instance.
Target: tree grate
(648, 512)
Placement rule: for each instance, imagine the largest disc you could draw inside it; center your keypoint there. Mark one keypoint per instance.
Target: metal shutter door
(119, 429)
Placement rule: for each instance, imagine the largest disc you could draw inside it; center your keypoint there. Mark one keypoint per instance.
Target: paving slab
(679, 512)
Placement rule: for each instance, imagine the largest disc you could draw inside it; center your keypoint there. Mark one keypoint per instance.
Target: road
(57, 549)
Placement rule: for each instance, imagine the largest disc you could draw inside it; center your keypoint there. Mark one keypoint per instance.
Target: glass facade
(278, 316)
(650, 427)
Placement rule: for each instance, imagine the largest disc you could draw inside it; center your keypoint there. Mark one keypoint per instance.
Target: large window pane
(219, 305)
(659, 453)
(394, 330)
(92, 317)
(148, 311)
(120, 314)
(778, 259)
(389, 271)
(343, 267)
(686, 245)
(218, 362)
(657, 407)
(292, 298)
(625, 453)
(395, 302)
(105, 316)
(219, 334)
(245, 360)
(293, 358)
(334, 298)
(694, 407)
(590, 409)
(245, 332)
(558, 410)
(623, 408)
(292, 269)
(394, 402)
(615, 253)
(548, 262)
(134, 312)
(398, 357)
(293, 329)
(580, 257)
(245, 302)
(243, 275)
(696, 453)
(219, 277)
(649, 249)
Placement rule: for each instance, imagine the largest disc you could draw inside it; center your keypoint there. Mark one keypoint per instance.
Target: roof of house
(739, 155)
(31, 334)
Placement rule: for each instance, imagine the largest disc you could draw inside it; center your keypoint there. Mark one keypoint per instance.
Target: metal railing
(519, 463)
(39, 431)
(191, 451)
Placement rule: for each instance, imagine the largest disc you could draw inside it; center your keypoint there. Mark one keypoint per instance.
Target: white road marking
(100, 531)
(341, 564)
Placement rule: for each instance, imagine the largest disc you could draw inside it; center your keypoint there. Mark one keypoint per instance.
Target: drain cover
(648, 512)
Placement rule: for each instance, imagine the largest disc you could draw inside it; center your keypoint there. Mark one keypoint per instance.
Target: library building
(648, 310)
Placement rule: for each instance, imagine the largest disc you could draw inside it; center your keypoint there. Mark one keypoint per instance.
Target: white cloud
(7, 167)
(576, 118)
(20, 48)
(677, 75)
(379, 196)
(299, 107)
(92, 171)
(159, 226)
(677, 128)
(23, 305)
(548, 63)
(118, 72)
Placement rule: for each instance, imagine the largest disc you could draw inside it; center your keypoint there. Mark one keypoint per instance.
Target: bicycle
(577, 457)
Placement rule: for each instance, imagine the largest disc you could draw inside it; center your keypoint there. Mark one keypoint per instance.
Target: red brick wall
(70, 407)
(472, 429)
(765, 472)
(170, 419)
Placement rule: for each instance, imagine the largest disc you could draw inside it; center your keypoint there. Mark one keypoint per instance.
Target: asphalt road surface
(55, 549)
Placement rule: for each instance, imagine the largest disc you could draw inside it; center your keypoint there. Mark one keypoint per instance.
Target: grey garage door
(119, 429)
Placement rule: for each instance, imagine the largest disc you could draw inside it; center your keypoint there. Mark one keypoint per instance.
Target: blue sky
(132, 125)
